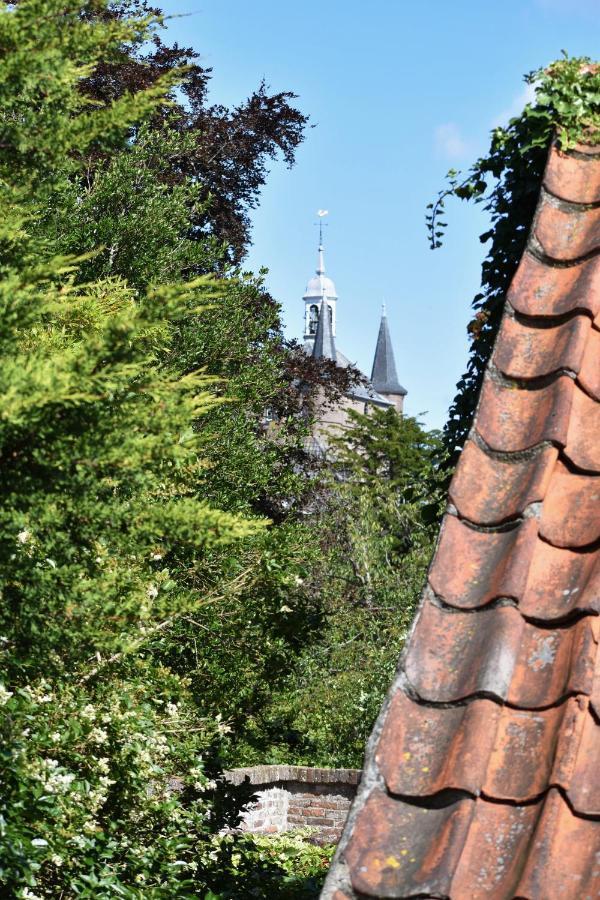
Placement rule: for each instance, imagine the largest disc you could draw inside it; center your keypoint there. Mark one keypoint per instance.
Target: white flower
(4, 695)
(172, 709)
(156, 555)
(55, 737)
(24, 537)
(88, 712)
(56, 860)
(152, 592)
(98, 735)
(29, 895)
(103, 764)
(46, 698)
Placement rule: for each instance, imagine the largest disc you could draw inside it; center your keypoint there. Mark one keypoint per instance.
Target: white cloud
(449, 141)
(526, 95)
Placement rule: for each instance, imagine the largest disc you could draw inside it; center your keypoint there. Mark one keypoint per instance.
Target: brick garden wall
(292, 797)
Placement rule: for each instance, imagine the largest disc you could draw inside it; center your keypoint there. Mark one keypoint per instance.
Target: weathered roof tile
(583, 446)
(540, 290)
(472, 567)
(566, 234)
(488, 489)
(589, 374)
(515, 419)
(530, 349)
(572, 178)
(455, 655)
(483, 747)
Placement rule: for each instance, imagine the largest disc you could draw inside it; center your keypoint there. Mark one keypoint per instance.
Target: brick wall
(291, 797)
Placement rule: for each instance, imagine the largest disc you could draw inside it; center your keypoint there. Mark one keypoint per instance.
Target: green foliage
(373, 538)
(285, 866)
(507, 181)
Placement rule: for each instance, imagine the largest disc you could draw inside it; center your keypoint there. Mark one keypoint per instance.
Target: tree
(373, 538)
(102, 523)
(229, 149)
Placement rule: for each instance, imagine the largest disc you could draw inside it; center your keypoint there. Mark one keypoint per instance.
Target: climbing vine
(566, 108)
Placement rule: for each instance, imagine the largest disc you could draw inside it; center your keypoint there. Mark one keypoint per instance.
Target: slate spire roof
(383, 376)
(324, 345)
(482, 773)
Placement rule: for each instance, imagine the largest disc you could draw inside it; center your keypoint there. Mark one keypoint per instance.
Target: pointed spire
(383, 376)
(321, 260)
(324, 346)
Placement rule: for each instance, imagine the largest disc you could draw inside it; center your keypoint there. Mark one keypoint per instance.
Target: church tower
(320, 288)
(383, 376)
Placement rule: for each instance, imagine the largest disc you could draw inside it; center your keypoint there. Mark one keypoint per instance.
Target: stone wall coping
(302, 774)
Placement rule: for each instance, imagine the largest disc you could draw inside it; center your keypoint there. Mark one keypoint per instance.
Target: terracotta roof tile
(583, 446)
(572, 178)
(474, 849)
(488, 490)
(589, 374)
(580, 494)
(527, 349)
(455, 655)
(561, 582)
(512, 419)
(539, 290)
(566, 234)
(481, 780)
(472, 567)
(482, 747)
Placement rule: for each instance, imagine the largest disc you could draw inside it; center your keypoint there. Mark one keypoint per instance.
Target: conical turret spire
(383, 376)
(324, 346)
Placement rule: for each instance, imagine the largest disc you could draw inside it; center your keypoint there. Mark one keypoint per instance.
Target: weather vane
(321, 214)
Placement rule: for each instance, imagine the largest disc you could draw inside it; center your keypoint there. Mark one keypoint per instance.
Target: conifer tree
(101, 523)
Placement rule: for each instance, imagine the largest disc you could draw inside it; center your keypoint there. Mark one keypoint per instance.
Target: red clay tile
(571, 510)
(583, 446)
(487, 489)
(530, 349)
(474, 849)
(482, 747)
(511, 418)
(538, 852)
(567, 234)
(577, 758)
(589, 374)
(563, 859)
(455, 655)
(560, 582)
(400, 850)
(542, 290)
(572, 178)
(497, 844)
(473, 567)
(427, 749)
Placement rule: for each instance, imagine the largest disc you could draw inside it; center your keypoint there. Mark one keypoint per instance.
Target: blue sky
(397, 93)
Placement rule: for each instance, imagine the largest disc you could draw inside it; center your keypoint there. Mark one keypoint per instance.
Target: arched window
(313, 319)
(330, 315)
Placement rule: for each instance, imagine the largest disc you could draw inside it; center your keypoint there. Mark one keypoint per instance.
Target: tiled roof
(483, 772)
